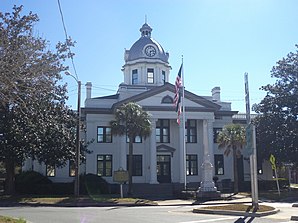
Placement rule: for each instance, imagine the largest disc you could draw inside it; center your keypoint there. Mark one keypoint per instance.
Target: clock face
(150, 51)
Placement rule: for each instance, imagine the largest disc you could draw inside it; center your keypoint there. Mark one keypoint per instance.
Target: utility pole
(77, 158)
(77, 170)
(251, 147)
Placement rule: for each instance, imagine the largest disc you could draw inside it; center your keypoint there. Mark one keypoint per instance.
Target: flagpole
(183, 121)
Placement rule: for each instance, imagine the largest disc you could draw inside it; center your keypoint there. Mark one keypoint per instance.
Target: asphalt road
(162, 214)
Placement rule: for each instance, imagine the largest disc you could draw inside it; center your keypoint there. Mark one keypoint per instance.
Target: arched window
(167, 100)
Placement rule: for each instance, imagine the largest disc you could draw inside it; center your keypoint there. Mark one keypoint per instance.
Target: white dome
(137, 50)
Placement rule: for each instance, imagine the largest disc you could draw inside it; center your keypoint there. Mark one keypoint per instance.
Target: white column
(123, 153)
(207, 183)
(210, 141)
(181, 155)
(28, 164)
(153, 161)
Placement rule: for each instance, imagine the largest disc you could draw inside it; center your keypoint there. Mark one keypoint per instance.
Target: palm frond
(232, 136)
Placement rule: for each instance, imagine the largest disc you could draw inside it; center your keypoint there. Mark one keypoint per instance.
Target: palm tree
(131, 120)
(232, 138)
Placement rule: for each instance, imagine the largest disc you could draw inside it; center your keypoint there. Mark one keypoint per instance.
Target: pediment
(165, 149)
(161, 97)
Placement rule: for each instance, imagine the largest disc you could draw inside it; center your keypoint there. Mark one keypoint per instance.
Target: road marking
(209, 220)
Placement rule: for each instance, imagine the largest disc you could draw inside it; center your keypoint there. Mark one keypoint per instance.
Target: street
(149, 214)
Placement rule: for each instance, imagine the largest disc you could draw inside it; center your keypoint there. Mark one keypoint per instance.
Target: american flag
(178, 94)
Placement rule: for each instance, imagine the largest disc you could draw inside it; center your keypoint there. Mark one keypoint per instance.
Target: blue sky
(220, 40)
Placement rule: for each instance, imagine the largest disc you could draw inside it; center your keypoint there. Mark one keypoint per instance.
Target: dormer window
(134, 79)
(150, 75)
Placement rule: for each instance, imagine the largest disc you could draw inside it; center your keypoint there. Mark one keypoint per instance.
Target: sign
(272, 161)
(247, 104)
(120, 176)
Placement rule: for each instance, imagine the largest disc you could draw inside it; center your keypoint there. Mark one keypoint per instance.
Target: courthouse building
(158, 159)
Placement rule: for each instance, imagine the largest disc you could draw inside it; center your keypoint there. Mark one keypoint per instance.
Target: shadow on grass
(286, 195)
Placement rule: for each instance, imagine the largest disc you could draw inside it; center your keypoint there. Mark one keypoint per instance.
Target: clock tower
(146, 62)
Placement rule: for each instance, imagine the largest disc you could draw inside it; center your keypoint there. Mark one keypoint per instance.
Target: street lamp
(77, 161)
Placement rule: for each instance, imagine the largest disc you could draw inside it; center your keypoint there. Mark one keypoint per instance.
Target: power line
(66, 37)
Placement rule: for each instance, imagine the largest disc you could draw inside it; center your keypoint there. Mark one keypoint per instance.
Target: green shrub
(93, 184)
(29, 183)
(62, 188)
(271, 184)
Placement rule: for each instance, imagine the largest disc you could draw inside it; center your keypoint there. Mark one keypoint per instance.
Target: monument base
(206, 195)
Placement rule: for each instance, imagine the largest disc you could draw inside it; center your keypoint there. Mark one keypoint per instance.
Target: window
(104, 165)
(104, 134)
(137, 169)
(191, 165)
(219, 164)
(219, 117)
(150, 75)
(163, 76)
(216, 131)
(72, 168)
(191, 131)
(162, 130)
(134, 76)
(137, 139)
(50, 171)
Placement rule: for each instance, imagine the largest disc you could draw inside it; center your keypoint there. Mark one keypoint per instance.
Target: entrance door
(164, 168)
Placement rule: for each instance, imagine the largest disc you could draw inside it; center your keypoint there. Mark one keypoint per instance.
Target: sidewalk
(288, 209)
(282, 210)
(232, 200)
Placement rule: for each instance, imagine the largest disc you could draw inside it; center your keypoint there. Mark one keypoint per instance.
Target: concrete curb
(294, 218)
(236, 213)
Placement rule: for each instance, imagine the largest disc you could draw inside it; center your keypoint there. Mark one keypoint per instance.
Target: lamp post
(77, 160)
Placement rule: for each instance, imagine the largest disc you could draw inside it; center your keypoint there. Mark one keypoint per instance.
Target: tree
(131, 120)
(34, 119)
(232, 138)
(277, 122)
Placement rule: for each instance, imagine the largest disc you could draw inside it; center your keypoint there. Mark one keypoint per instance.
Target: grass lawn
(11, 220)
(51, 200)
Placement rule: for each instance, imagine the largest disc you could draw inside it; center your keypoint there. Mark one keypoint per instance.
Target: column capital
(208, 123)
(153, 121)
(209, 120)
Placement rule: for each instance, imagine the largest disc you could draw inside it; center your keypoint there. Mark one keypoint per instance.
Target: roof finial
(145, 18)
